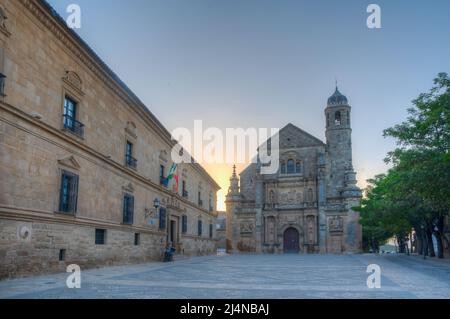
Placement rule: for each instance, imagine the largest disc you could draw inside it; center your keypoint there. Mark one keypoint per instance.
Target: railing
(162, 181)
(185, 193)
(200, 202)
(73, 125)
(130, 161)
(211, 209)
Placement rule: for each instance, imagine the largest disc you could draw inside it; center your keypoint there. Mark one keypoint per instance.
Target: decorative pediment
(73, 79)
(131, 129)
(128, 188)
(3, 18)
(184, 173)
(70, 162)
(163, 156)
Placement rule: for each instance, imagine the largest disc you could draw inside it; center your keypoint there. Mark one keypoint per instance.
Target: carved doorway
(291, 240)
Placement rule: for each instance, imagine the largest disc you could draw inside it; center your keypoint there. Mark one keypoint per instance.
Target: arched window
(348, 118)
(290, 166)
(337, 118)
(298, 167)
(328, 119)
(283, 168)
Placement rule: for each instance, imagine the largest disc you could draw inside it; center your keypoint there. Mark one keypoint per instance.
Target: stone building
(221, 234)
(83, 163)
(307, 205)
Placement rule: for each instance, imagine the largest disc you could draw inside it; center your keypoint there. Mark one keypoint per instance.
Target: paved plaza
(249, 276)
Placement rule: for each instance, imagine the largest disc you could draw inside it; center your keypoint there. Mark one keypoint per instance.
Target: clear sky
(261, 63)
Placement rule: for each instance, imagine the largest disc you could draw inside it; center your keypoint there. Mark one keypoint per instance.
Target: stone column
(259, 202)
(321, 193)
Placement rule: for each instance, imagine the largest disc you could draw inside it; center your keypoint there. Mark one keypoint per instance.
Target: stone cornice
(50, 19)
(25, 214)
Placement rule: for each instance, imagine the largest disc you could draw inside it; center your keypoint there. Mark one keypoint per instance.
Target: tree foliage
(415, 192)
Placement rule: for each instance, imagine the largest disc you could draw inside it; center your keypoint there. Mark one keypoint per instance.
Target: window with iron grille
(100, 236)
(162, 218)
(2, 84)
(184, 224)
(68, 193)
(162, 178)
(130, 161)
(70, 117)
(199, 226)
(128, 209)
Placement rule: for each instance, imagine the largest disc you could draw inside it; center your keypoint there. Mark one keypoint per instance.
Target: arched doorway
(291, 240)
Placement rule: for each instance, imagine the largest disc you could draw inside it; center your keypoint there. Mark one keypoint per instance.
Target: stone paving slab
(249, 276)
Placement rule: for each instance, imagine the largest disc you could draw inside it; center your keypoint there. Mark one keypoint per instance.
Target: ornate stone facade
(108, 214)
(307, 205)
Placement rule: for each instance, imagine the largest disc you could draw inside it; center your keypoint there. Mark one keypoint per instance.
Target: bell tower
(341, 178)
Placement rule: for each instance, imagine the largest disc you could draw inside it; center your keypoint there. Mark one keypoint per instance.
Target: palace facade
(83, 162)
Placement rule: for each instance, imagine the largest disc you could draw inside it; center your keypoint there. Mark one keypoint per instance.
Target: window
(200, 202)
(283, 168)
(184, 224)
(183, 188)
(211, 206)
(199, 227)
(162, 178)
(100, 236)
(2, 84)
(68, 193)
(69, 117)
(130, 161)
(290, 166)
(128, 209)
(210, 230)
(337, 118)
(298, 167)
(328, 119)
(62, 254)
(348, 118)
(162, 218)
(137, 239)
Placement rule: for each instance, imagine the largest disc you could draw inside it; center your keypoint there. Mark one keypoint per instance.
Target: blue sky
(260, 63)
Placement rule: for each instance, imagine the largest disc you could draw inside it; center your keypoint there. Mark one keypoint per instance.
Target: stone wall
(44, 63)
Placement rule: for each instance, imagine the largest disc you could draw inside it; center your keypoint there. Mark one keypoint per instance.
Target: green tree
(415, 193)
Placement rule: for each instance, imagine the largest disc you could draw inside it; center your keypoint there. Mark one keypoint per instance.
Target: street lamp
(149, 212)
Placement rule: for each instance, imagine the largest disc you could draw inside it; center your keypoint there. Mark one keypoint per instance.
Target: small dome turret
(337, 99)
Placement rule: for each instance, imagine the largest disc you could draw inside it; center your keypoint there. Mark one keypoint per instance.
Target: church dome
(337, 98)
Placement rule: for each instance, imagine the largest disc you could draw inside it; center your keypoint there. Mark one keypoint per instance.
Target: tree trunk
(438, 235)
(430, 243)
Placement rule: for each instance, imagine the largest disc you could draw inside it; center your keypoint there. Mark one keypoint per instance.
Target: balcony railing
(73, 125)
(185, 193)
(130, 161)
(163, 181)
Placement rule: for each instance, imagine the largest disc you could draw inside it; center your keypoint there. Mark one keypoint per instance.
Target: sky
(265, 63)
